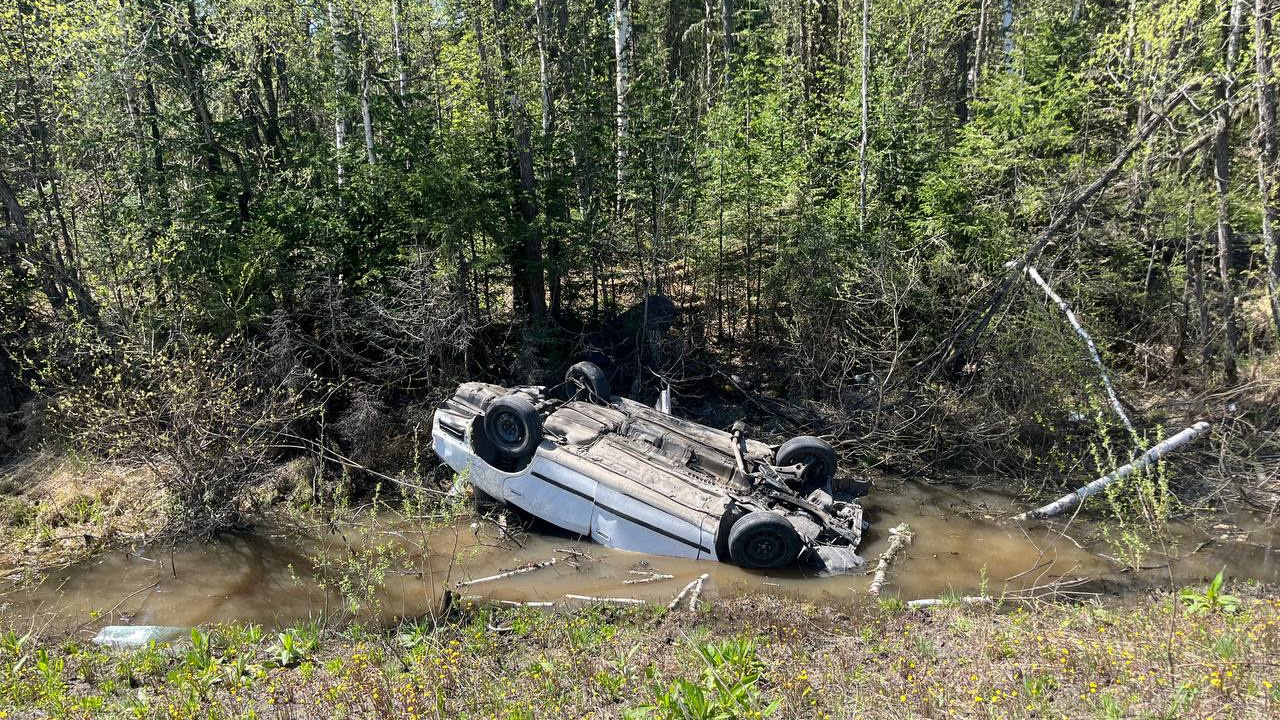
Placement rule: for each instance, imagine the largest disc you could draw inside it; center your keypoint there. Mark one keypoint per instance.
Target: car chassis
(636, 478)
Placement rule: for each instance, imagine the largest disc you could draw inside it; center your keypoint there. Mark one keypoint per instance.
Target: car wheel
(588, 379)
(512, 424)
(481, 501)
(817, 456)
(763, 540)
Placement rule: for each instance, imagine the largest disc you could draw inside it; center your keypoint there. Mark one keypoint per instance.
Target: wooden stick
(966, 600)
(518, 571)
(693, 596)
(900, 538)
(652, 578)
(680, 595)
(618, 600)
(1150, 457)
(1088, 341)
(527, 603)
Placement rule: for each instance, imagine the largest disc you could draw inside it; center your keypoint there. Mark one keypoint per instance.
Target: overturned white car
(634, 478)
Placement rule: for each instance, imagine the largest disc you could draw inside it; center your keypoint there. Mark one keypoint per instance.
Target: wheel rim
(509, 429)
(764, 547)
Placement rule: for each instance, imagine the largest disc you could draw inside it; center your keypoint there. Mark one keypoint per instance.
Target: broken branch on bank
(1088, 341)
(1149, 458)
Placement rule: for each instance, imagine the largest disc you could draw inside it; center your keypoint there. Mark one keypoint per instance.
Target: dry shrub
(193, 411)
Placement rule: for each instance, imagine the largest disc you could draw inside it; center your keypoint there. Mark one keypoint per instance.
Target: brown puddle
(961, 546)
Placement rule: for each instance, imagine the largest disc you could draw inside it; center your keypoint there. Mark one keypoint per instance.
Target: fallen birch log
(680, 595)
(900, 538)
(1088, 341)
(518, 571)
(526, 603)
(615, 600)
(1149, 458)
(966, 600)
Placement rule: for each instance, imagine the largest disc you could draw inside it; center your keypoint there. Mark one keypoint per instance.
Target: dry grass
(55, 510)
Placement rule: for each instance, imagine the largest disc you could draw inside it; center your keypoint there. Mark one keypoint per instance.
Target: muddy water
(270, 576)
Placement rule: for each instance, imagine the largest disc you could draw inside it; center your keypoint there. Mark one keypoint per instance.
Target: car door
(550, 491)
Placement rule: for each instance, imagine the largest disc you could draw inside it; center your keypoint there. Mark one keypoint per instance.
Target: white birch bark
(622, 85)
(366, 117)
(1088, 341)
(862, 146)
(1149, 458)
(339, 66)
(398, 43)
(900, 537)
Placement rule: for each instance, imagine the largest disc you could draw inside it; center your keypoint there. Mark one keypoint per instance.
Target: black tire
(818, 457)
(587, 380)
(481, 501)
(763, 540)
(512, 424)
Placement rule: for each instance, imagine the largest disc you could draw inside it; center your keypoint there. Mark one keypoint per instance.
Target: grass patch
(746, 658)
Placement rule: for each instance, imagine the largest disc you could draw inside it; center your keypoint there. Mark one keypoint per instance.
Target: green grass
(747, 658)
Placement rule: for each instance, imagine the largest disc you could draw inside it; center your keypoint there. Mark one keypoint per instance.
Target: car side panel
(625, 523)
(554, 493)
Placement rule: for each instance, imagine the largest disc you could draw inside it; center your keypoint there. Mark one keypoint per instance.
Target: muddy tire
(512, 424)
(587, 381)
(818, 457)
(763, 540)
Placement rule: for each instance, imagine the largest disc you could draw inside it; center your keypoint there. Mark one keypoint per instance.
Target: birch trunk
(366, 116)
(1225, 95)
(544, 69)
(622, 85)
(1267, 154)
(1089, 344)
(862, 146)
(339, 67)
(398, 44)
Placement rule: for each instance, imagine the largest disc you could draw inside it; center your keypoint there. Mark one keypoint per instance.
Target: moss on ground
(741, 658)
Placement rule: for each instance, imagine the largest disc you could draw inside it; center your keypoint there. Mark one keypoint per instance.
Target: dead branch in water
(680, 595)
(518, 571)
(613, 600)
(656, 577)
(901, 537)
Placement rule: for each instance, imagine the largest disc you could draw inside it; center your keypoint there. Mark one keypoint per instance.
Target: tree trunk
(979, 52)
(1225, 96)
(726, 37)
(862, 145)
(544, 64)
(366, 116)
(527, 280)
(339, 73)
(622, 85)
(398, 44)
(1267, 154)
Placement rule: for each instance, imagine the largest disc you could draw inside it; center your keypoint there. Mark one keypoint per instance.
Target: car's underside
(636, 478)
